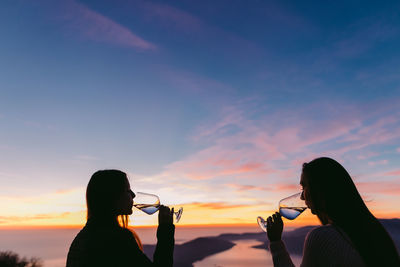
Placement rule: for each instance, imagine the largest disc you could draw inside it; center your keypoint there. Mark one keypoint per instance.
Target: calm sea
(52, 245)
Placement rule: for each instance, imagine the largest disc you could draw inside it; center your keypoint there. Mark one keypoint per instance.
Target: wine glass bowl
(262, 223)
(147, 203)
(290, 208)
(150, 203)
(178, 214)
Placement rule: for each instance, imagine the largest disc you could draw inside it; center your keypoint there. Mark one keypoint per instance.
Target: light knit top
(324, 246)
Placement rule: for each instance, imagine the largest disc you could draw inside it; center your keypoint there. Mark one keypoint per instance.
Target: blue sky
(196, 100)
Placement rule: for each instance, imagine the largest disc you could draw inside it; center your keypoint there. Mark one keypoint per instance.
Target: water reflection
(242, 255)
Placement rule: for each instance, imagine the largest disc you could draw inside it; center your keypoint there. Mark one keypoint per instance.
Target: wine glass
(149, 203)
(290, 208)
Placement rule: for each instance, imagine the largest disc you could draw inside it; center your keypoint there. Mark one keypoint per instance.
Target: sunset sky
(212, 105)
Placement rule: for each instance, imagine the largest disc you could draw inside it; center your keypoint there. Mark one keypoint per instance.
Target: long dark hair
(104, 189)
(334, 194)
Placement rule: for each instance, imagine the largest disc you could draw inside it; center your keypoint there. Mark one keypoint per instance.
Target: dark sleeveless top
(108, 244)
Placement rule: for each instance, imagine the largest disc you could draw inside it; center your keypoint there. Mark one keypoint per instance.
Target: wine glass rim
(144, 193)
(296, 196)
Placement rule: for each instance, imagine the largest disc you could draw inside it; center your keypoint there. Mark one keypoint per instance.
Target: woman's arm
(280, 256)
(163, 255)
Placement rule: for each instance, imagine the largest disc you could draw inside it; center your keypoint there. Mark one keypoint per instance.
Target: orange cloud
(44, 220)
(217, 205)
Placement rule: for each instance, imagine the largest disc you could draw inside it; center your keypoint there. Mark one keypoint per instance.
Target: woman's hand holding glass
(165, 215)
(274, 227)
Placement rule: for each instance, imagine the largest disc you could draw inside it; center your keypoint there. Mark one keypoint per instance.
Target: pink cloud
(217, 205)
(393, 173)
(240, 187)
(178, 17)
(270, 188)
(251, 151)
(367, 155)
(97, 27)
(379, 162)
(193, 83)
(379, 132)
(389, 188)
(213, 163)
(273, 147)
(287, 187)
(196, 28)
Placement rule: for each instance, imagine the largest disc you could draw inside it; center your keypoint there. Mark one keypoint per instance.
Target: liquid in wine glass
(290, 208)
(149, 204)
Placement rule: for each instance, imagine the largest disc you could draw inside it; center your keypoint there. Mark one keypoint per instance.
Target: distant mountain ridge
(195, 250)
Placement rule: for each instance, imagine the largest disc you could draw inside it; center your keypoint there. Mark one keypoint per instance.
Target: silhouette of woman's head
(108, 194)
(329, 190)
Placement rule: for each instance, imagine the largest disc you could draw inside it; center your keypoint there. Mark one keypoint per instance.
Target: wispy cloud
(283, 16)
(254, 155)
(387, 188)
(180, 18)
(252, 147)
(18, 219)
(44, 219)
(184, 22)
(212, 163)
(217, 205)
(273, 187)
(96, 27)
(71, 200)
(367, 155)
(189, 82)
(378, 162)
(363, 38)
(393, 173)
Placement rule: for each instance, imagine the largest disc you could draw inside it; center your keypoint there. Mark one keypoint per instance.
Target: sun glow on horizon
(194, 215)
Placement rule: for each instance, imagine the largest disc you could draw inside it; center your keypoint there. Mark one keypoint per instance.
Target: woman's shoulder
(98, 235)
(89, 239)
(328, 235)
(330, 243)
(324, 229)
(325, 233)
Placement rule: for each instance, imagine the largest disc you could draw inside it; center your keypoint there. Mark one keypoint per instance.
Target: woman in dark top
(106, 240)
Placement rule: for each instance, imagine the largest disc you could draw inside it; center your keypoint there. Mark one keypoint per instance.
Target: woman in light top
(106, 240)
(350, 235)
